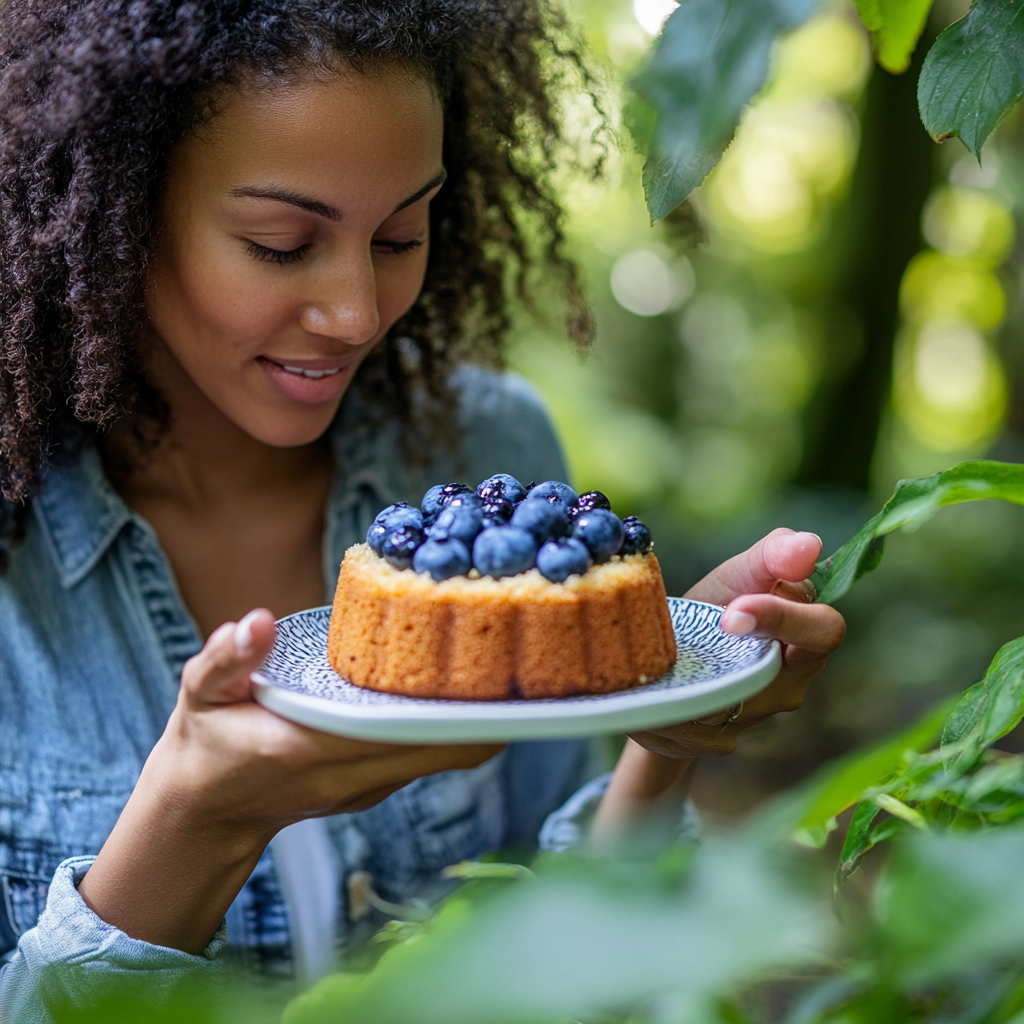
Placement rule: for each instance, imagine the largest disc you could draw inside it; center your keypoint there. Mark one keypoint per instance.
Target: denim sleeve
(71, 959)
(568, 827)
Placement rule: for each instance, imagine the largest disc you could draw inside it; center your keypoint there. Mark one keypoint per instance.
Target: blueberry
(399, 514)
(431, 503)
(504, 551)
(375, 536)
(601, 531)
(541, 519)
(460, 522)
(497, 511)
(501, 486)
(559, 559)
(448, 491)
(588, 502)
(555, 492)
(638, 537)
(400, 544)
(465, 499)
(442, 558)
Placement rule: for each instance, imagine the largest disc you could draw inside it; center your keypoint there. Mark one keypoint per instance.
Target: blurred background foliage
(834, 309)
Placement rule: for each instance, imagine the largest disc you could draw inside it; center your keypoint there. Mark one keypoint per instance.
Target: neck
(204, 458)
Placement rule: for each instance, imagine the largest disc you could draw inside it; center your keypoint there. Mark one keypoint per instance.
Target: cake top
(503, 529)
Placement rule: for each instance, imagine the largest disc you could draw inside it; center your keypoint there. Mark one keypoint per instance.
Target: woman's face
(293, 234)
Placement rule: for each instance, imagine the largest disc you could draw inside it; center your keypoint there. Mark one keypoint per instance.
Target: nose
(342, 303)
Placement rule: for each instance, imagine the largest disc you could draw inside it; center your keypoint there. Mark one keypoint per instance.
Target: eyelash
(283, 257)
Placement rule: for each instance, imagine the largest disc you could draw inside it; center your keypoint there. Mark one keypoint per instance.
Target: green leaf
(851, 779)
(974, 73)
(467, 869)
(710, 60)
(895, 27)
(855, 845)
(912, 503)
(898, 809)
(988, 710)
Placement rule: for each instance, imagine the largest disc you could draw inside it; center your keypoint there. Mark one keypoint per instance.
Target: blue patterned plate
(712, 671)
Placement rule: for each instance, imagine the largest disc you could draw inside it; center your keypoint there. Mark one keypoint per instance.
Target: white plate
(713, 671)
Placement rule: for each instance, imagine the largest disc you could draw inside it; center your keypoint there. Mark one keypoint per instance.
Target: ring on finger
(721, 717)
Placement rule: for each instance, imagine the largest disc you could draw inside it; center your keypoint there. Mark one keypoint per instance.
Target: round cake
(460, 605)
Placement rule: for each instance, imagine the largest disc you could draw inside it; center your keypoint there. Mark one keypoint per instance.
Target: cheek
(399, 283)
(192, 303)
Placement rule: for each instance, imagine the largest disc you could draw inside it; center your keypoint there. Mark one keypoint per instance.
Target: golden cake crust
(399, 631)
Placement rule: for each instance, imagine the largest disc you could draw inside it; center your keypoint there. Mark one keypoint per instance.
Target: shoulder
(505, 427)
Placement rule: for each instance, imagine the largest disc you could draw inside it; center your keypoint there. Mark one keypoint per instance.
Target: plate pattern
(298, 660)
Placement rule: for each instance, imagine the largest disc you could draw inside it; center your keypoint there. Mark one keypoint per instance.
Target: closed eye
(398, 247)
(279, 256)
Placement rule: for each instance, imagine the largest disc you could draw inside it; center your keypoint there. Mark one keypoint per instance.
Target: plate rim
(521, 713)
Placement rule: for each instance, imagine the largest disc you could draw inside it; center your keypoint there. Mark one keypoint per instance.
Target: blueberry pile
(503, 528)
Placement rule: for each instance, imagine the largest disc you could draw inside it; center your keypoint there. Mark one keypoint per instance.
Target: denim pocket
(23, 900)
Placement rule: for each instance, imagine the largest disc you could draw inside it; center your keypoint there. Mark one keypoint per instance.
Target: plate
(713, 670)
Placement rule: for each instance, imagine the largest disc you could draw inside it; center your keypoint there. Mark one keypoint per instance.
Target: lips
(310, 381)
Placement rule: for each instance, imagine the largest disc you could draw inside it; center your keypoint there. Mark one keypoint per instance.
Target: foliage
(974, 73)
(710, 60)
(713, 57)
(895, 26)
(912, 503)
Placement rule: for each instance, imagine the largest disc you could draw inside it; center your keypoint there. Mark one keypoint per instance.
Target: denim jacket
(93, 637)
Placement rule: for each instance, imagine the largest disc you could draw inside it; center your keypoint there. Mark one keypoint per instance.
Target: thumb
(219, 673)
(783, 555)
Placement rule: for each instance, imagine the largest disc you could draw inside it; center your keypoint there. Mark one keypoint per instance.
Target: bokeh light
(651, 14)
(650, 282)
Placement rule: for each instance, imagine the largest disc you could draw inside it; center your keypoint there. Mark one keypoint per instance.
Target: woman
(247, 249)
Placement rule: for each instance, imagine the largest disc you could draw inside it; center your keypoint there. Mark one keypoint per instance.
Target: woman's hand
(223, 779)
(767, 592)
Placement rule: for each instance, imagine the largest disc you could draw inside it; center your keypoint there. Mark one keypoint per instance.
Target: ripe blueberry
(555, 492)
(400, 544)
(504, 551)
(638, 538)
(560, 558)
(602, 533)
(442, 558)
(460, 522)
(541, 519)
(501, 486)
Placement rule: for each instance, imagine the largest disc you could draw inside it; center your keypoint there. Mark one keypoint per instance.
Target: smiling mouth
(312, 374)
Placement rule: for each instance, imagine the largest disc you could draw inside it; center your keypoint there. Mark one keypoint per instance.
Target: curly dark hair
(94, 94)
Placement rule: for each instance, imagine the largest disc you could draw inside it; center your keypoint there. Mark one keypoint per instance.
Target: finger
(782, 555)
(219, 673)
(816, 627)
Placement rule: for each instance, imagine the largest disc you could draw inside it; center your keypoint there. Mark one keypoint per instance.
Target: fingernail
(807, 533)
(243, 634)
(738, 623)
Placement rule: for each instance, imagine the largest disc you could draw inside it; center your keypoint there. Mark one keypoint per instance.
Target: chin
(290, 430)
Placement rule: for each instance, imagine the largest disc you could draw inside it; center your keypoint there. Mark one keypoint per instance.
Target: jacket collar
(80, 514)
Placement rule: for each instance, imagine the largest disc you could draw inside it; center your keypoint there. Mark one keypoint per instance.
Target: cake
(506, 592)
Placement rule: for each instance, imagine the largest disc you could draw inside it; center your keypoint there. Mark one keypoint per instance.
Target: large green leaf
(849, 781)
(912, 503)
(584, 942)
(895, 27)
(988, 710)
(974, 73)
(711, 59)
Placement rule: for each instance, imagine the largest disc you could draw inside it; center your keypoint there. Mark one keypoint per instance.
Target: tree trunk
(880, 232)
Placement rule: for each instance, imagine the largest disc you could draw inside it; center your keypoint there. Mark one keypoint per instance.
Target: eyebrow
(325, 210)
